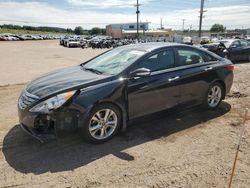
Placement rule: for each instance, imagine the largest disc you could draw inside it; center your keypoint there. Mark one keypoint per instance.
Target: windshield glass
(226, 43)
(114, 61)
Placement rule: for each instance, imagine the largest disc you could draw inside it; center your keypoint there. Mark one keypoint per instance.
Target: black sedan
(99, 97)
(233, 49)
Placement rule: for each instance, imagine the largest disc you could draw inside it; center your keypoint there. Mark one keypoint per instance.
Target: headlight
(52, 103)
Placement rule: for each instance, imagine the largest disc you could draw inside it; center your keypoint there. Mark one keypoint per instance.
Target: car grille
(26, 99)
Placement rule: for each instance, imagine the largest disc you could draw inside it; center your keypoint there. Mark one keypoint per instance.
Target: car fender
(113, 92)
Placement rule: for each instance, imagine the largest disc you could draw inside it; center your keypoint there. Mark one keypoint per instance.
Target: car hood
(65, 79)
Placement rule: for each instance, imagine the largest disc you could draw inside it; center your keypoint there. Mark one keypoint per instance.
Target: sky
(98, 13)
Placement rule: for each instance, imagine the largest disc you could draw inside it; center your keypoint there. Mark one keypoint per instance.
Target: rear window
(190, 56)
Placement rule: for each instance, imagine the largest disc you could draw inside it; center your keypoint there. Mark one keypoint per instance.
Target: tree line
(78, 30)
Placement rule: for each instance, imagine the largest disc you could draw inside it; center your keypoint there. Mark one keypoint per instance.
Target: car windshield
(114, 61)
(227, 43)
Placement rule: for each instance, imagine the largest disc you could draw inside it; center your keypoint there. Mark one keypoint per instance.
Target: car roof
(150, 46)
(229, 40)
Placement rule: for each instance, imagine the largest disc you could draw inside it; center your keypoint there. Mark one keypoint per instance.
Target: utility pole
(201, 16)
(161, 24)
(183, 24)
(137, 13)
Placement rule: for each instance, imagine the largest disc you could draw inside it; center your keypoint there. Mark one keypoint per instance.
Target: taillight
(230, 67)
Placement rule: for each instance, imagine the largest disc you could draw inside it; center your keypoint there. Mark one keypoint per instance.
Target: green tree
(79, 30)
(69, 30)
(96, 31)
(218, 28)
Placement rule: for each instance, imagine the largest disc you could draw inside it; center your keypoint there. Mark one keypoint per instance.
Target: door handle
(174, 78)
(208, 68)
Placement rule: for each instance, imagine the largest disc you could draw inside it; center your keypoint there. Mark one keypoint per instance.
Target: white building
(115, 30)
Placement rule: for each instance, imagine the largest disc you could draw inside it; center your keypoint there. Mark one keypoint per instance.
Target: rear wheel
(102, 124)
(214, 96)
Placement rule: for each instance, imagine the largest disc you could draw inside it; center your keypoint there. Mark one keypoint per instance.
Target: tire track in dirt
(163, 177)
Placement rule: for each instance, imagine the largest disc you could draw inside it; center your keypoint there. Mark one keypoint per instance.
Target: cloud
(37, 14)
(106, 3)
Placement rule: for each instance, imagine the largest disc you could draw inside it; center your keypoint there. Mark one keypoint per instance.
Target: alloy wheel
(103, 124)
(214, 96)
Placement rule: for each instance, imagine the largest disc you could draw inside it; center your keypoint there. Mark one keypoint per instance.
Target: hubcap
(214, 96)
(103, 123)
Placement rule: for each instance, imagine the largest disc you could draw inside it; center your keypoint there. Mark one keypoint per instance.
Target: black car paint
(134, 97)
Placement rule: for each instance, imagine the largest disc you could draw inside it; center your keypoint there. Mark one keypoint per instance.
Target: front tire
(214, 96)
(102, 124)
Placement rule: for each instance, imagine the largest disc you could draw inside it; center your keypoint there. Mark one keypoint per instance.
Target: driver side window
(159, 61)
(236, 44)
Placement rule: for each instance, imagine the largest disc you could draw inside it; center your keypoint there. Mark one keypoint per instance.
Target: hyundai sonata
(99, 97)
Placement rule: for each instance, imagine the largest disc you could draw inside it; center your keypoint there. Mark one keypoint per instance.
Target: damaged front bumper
(45, 127)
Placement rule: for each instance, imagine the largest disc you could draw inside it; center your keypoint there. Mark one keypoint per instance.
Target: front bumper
(45, 127)
(38, 126)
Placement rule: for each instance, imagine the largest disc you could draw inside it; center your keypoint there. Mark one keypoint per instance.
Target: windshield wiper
(93, 70)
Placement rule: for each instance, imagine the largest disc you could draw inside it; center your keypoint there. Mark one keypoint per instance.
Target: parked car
(84, 43)
(8, 37)
(233, 49)
(205, 40)
(73, 43)
(99, 97)
(187, 40)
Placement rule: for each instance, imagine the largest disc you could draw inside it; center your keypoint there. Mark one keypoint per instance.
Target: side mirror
(140, 73)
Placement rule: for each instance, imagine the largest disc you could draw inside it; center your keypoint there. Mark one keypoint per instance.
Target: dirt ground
(192, 148)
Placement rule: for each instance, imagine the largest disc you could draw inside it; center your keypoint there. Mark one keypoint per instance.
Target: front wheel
(102, 124)
(214, 96)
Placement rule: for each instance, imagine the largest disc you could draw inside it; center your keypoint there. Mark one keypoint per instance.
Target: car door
(197, 72)
(245, 50)
(235, 51)
(158, 91)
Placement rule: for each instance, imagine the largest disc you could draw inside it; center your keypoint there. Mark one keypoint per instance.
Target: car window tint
(159, 61)
(207, 57)
(244, 43)
(190, 57)
(236, 43)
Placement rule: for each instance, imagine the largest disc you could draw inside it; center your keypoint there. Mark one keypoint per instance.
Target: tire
(214, 96)
(95, 136)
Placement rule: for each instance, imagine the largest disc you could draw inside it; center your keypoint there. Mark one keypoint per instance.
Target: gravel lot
(187, 149)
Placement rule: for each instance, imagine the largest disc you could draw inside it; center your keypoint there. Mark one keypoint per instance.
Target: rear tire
(214, 96)
(102, 124)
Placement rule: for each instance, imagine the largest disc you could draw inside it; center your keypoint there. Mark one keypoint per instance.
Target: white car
(8, 37)
(73, 43)
(187, 40)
